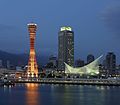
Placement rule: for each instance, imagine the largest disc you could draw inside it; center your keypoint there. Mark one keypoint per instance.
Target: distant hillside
(20, 59)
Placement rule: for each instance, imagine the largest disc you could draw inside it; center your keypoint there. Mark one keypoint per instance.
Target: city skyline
(59, 52)
(92, 36)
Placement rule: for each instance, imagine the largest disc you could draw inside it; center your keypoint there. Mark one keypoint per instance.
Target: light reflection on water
(32, 94)
(41, 94)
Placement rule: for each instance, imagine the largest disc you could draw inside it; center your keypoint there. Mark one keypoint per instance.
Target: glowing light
(32, 63)
(32, 94)
(90, 69)
(32, 24)
(66, 29)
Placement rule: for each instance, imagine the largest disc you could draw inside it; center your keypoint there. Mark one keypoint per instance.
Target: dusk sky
(96, 24)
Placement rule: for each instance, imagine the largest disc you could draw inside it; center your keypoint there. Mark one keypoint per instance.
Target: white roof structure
(90, 69)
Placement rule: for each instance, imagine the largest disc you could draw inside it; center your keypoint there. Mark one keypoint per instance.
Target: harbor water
(37, 94)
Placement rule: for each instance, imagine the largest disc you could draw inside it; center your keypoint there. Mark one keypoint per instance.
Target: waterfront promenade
(107, 82)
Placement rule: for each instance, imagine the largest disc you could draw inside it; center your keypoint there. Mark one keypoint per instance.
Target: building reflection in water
(32, 94)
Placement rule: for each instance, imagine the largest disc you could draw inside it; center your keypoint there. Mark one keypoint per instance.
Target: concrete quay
(104, 82)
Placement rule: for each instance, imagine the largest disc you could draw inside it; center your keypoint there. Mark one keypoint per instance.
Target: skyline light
(32, 70)
(67, 28)
(89, 69)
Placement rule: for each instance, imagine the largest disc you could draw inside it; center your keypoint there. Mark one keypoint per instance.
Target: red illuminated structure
(32, 70)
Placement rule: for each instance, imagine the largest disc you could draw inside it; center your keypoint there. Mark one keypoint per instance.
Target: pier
(106, 82)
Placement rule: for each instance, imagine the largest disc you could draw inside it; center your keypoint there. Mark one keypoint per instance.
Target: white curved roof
(90, 69)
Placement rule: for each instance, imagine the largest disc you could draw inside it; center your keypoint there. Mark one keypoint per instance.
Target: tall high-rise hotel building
(65, 47)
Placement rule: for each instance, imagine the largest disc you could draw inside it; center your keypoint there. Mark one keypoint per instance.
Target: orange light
(32, 70)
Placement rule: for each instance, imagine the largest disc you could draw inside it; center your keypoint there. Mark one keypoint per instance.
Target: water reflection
(32, 94)
(35, 94)
(7, 89)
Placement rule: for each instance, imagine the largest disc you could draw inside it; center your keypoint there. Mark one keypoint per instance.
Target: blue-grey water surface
(37, 94)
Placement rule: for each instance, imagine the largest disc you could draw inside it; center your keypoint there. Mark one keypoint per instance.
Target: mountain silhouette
(20, 59)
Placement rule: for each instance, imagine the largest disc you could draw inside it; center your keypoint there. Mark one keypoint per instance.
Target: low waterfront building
(90, 69)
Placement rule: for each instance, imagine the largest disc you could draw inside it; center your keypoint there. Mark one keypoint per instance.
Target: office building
(65, 47)
(111, 63)
(90, 58)
(8, 64)
(79, 63)
(53, 60)
(1, 64)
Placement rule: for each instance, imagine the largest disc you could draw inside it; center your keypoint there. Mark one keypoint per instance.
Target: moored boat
(6, 82)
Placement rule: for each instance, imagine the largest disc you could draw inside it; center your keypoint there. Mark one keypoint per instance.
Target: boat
(6, 82)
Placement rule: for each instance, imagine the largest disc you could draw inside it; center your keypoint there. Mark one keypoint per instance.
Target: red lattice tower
(32, 70)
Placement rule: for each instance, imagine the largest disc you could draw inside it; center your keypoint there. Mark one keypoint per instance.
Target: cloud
(111, 18)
